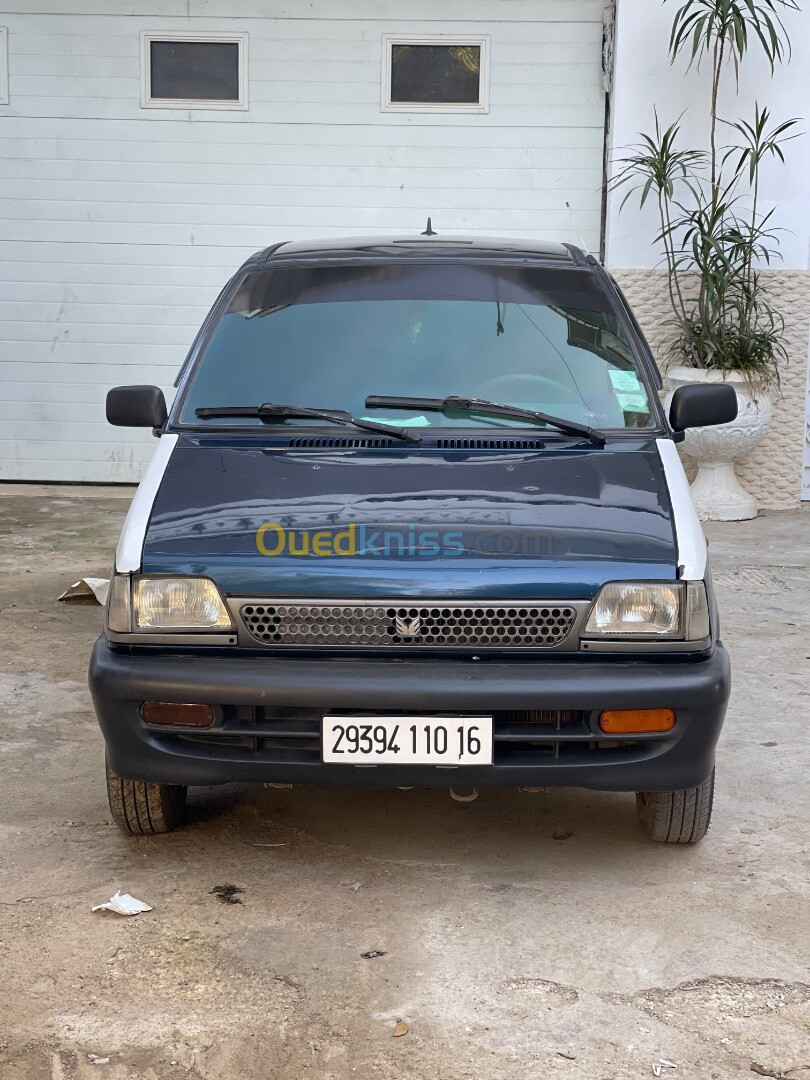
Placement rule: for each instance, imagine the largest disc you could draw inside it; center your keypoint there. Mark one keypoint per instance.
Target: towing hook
(465, 795)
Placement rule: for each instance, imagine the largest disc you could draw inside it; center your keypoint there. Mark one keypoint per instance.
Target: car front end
(466, 608)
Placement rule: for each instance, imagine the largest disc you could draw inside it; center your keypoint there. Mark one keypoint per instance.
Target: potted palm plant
(715, 239)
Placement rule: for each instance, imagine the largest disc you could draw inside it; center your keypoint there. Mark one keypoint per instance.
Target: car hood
(555, 522)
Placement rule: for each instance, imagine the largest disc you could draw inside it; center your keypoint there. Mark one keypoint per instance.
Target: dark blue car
(415, 518)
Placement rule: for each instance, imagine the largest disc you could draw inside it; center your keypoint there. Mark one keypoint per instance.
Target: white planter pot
(716, 492)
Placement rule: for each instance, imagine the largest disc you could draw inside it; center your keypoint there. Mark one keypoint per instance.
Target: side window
(435, 74)
(3, 65)
(193, 71)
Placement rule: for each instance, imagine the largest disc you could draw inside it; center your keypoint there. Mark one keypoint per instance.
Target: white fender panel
(689, 537)
(130, 544)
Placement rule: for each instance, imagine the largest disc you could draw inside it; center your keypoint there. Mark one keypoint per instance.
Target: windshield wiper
(270, 411)
(486, 408)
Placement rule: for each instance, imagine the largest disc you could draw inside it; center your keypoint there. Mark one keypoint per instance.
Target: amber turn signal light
(168, 713)
(636, 721)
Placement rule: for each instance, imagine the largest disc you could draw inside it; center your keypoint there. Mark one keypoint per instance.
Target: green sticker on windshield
(633, 403)
(629, 391)
(627, 382)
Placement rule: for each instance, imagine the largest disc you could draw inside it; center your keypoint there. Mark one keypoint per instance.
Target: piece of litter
(401, 1029)
(777, 1074)
(372, 954)
(251, 844)
(123, 904)
(87, 590)
(353, 885)
(94, 1059)
(227, 894)
(562, 835)
(568, 1057)
(661, 1064)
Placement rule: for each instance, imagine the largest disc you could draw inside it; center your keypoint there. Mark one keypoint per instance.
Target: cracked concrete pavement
(523, 936)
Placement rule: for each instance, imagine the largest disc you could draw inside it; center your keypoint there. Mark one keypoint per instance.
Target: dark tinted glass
(326, 337)
(195, 70)
(436, 74)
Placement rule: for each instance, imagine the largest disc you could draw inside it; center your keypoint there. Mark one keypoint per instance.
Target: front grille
(294, 734)
(277, 735)
(383, 625)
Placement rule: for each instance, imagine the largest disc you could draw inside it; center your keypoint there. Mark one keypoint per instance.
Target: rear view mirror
(702, 406)
(136, 406)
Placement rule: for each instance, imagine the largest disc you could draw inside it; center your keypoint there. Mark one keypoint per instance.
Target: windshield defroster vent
(344, 442)
(330, 442)
(489, 444)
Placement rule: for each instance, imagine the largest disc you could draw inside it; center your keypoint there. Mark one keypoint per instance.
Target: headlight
(178, 603)
(628, 609)
(633, 609)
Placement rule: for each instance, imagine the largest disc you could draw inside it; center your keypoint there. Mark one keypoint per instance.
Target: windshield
(328, 337)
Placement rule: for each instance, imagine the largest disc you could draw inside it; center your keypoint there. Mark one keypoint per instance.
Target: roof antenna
(429, 230)
(576, 227)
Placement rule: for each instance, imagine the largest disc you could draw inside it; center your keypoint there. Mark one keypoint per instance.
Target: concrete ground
(523, 936)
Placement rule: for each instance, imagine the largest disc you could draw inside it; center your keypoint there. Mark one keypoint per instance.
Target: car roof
(440, 247)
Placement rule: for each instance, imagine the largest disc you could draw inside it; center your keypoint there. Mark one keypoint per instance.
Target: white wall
(644, 78)
(118, 225)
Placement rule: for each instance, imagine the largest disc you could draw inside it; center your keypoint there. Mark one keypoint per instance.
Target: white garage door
(122, 216)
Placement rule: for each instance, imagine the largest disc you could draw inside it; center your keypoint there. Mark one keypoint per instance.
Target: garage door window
(192, 71)
(435, 74)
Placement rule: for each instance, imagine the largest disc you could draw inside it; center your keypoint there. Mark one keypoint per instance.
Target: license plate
(407, 740)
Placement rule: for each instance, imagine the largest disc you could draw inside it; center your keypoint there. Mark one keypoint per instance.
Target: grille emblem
(408, 628)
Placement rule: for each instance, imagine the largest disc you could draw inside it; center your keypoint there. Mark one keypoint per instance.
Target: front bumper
(268, 709)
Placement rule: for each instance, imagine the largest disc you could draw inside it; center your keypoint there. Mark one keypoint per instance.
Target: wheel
(144, 809)
(677, 817)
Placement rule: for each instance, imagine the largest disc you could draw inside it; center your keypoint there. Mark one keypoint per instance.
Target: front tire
(142, 809)
(677, 817)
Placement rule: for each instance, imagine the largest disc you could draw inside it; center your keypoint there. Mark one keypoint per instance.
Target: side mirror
(136, 406)
(702, 406)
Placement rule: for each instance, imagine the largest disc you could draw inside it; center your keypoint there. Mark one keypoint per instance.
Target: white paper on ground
(123, 904)
(87, 590)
